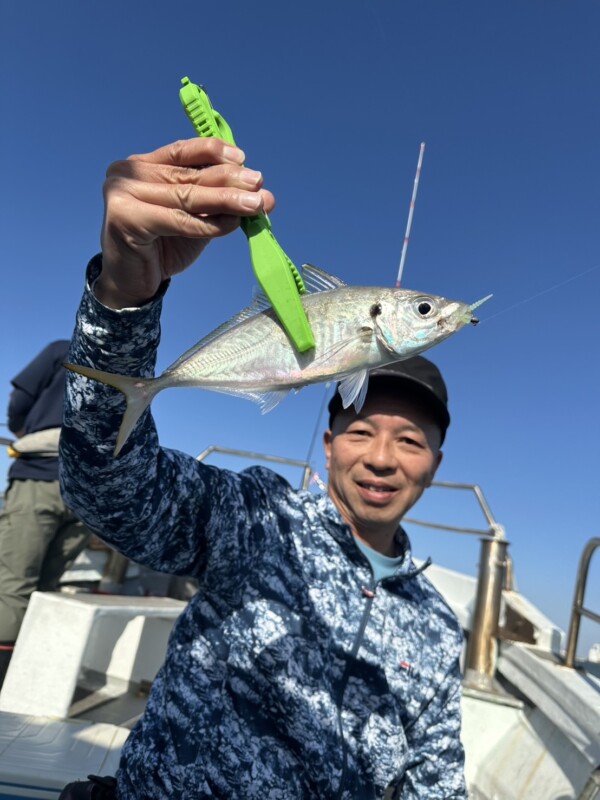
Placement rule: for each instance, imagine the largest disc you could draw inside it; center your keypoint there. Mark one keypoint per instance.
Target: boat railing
(579, 609)
(495, 567)
(307, 471)
(495, 574)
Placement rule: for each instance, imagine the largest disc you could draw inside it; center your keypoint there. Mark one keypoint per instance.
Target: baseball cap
(415, 377)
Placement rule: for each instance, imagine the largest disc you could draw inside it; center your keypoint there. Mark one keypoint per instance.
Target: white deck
(38, 755)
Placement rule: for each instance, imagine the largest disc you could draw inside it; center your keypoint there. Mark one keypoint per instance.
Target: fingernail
(250, 177)
(234, 154)
(251, 201)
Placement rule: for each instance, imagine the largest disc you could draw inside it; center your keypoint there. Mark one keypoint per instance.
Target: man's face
(380, 461)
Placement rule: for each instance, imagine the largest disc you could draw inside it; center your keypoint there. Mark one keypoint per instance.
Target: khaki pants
(39, 539)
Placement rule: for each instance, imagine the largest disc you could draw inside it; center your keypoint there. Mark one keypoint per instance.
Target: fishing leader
(316, 660)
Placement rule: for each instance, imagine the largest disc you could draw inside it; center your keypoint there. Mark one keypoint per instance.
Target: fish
(356, 329)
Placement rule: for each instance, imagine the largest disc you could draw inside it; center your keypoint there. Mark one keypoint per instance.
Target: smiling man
(381, 460)
(316, 661)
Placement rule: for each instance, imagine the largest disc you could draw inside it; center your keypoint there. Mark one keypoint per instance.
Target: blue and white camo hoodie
(291, 674)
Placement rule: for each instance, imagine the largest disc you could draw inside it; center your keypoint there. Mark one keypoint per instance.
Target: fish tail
(139, 393)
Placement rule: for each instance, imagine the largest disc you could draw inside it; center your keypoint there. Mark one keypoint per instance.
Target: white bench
(62, 636)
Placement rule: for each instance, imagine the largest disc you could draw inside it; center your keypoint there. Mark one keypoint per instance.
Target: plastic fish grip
(274, 270)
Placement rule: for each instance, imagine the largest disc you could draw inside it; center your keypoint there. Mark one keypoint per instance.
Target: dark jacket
(290, 674)
(36, 403)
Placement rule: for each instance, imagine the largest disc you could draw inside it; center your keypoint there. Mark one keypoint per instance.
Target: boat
(85, 661)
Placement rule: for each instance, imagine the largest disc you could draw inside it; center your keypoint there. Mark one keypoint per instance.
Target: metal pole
(591, 790)
(306, 477)
(480, 663)
(292, 462)
(509, 575)
(578, 609)
(115, 571)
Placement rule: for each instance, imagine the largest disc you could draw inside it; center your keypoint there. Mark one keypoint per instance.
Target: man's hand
(162, 209)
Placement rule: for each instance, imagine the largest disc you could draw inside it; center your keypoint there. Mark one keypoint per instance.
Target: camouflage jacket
(290, 674)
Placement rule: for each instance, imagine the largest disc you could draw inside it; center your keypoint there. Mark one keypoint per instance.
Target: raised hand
(162, 208)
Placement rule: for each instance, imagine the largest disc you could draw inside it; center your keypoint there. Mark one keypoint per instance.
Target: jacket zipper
(369, 593)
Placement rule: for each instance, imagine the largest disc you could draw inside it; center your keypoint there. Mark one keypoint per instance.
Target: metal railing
(494, 565)
(117, 565)
(307, 470)
(494, 530)
(578, 608)
(495, 574)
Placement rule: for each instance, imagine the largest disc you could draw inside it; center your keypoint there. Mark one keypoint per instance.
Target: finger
(153, 222)
(226, 175)
(197, 152)
(192, 199)
(217, 175)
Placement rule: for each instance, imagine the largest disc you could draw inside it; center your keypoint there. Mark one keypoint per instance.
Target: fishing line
(317, 424)
(542, 292)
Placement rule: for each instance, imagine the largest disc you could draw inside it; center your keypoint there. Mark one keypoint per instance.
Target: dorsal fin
(317, 280)
(257, 306)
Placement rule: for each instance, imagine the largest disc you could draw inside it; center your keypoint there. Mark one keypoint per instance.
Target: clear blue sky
(331, 100)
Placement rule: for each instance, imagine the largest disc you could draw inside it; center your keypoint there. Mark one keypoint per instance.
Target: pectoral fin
(359, 340)
(353, 389)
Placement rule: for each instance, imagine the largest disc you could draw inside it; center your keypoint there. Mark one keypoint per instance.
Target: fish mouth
(474, 320)
(463, 315)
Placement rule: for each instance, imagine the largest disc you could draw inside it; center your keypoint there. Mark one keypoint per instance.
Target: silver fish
(356, 329)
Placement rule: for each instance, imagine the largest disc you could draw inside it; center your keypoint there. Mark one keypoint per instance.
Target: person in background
(316, 660)
(39, 535)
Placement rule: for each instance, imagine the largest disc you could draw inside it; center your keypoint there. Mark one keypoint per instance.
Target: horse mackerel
(356, 329)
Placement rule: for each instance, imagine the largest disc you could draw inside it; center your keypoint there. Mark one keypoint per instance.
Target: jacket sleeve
(436, 769)
(19, 405)
(27, 387)
(159, 507)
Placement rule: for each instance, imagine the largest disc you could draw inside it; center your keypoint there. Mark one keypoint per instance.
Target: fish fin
(353, 389)
(363, 337)
(139, 393)
(266, 400)
(259, 304)
(317, 280)
(269, 400)
(386, 340)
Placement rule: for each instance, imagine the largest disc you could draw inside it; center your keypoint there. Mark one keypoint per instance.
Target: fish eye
(425, 307)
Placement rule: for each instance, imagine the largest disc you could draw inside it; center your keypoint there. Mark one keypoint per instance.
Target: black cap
(414, 377)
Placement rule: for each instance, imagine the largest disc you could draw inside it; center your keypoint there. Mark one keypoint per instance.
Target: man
(39, 536)
(315, 661)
